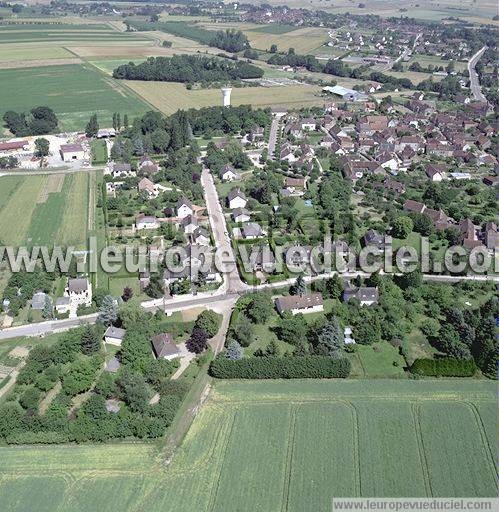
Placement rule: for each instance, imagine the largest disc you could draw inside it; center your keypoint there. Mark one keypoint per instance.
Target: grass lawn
(74, 91)
(374, 361)
(99, 152)
(302, 442)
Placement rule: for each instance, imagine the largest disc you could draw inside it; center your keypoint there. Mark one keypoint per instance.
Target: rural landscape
(248, 255)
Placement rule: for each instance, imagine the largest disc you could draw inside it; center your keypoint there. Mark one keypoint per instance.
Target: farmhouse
(71, 152)
(436, 172)
(309, 303)
(164, 347)
(114, 335)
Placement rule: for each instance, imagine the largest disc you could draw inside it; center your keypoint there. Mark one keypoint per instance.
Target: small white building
(71, 152)
(164, 347)
(241, 215)
(114, 336)
(228, 173)
(184, 208)
(143, 221)
(62, 305)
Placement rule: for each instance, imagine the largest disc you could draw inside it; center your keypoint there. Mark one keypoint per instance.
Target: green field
(44, 210)
(279, 446)
(74, 91)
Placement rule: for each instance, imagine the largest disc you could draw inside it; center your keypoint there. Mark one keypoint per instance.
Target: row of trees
(187, 69)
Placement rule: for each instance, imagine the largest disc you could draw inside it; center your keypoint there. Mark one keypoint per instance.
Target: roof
(236, 192)
(362, 294)
(121, 167)
(240, 211)
(62, 301)
(113, 365)
(184, 202)
(251, 229)
(78, 285)
(71, 148)
(38, 300)
(163, 345)
(115, 332)
(341, 91)
(292, 302)
(17, 144)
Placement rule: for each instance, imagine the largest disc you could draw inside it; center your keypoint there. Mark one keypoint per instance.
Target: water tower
(226, 91)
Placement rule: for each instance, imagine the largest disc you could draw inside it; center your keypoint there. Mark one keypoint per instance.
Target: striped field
(279, 446)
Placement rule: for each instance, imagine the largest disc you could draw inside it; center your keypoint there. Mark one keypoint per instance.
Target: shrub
(307, 367)
(445, 367)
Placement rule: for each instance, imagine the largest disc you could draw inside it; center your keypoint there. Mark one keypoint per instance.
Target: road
(232, 280)
(476, 89)
(274, 129)
(403, 55)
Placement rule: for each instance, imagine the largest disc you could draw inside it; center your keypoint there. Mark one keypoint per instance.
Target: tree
(411, 279)
(198, 342)
(402, 226)
(92, 126)
(42, 147)
(335, 287)
(244, 330)
(131, 314)
(108, 312)
(48, 309)
(125, 121)
(209, 322)
(90, 342)
(273, 48)
(127, 294)
(155, 289)
(30, 398)
(259, 308)
(292, 329)
(135, 391)
(234, 351)
(299, 288)
(136, 347)
(79, 377)
(332, 337)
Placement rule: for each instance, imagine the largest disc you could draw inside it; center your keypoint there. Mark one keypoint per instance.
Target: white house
(164, 347)
(201, 237)
(70, 152)
(114, 335)
(122, 170)
(189, 224)
(143, 221)
(236, 199)
(241, 215)
(79, 292)
(228, 173)
(308, 303)
(184, 208)
(62, 305)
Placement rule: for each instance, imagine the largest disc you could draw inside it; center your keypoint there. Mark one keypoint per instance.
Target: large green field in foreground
(73, 91)
(279, 446)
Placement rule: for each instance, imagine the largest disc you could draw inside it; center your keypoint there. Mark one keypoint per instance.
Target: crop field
(169, 97)
(303, 40)
(74, 91)
(44, 210)
(278, 446)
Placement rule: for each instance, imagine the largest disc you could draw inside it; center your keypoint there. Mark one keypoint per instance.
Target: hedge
(445, 367)
(307, 367)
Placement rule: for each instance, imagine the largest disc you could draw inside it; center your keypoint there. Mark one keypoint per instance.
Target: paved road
(274, 128)
(476, 89)
(232, 280)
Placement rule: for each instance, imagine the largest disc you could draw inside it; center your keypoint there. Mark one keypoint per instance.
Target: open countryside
(310, 440)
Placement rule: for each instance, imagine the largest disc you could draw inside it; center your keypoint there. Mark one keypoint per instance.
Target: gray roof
(121, 167)
(62, 301)
(78, 285)
(240, 211)
(164, 346)
(236, 192)
(115, 332)
(299, 302)
(251, 229)
(362, 294)
(113, 365)
(38, 300)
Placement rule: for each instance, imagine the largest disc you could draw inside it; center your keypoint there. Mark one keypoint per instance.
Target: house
(374, 239)
(147, 186)
(143, 221)
(490, 181)
(411, 206)
(251, 230)
(236, 199)
(296, 186)
(62, 305)
(388, 161)
(164, 347)
(106, 133)
(468, 234)
(184, 208)
(256, 134)
(148, 166)
(201, 237)
(241, 215)
(308, 303)
(491, 235)
(394, 186)
(436, 172)
(70, 152)
(38, 301)
(122, 170)
(114, 335)
(113, 365)
(189, 224)
(79, 292)
(366, 295)
(308, 124)
(228, 173)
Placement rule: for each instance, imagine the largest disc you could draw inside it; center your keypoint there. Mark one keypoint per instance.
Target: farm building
(344, 93)
(70, 152)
